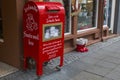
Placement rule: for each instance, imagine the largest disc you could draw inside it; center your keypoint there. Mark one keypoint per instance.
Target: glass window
(67, 6)
(87, 13)
(107, 12)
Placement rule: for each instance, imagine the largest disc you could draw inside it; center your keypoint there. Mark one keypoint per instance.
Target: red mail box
(43, 32)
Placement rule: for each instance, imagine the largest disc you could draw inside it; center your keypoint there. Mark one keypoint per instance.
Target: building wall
(10, 49)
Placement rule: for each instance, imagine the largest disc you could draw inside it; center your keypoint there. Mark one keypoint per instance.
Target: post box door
(31, 29)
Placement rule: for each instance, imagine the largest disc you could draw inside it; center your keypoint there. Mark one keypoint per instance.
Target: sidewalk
(101, 62)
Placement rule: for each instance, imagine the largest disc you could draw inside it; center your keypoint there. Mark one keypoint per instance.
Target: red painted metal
(43, 33)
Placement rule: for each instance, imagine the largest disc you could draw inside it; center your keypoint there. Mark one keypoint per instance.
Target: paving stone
(106, 78)
(103, 52)
(101, 62)
(98, 55)
(115, 54)
(79, 65)
(117, 68)
(90, 60)
(98, 70)
(115, 75)
(111, 48)
(87, 76)
(112, 59)
(12, 76)
(56, 76)
(112, 52)
(71, 71)
(106, 64)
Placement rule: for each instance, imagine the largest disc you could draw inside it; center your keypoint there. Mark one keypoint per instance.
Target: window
(67, 6)
(87, 14)
(109, 12)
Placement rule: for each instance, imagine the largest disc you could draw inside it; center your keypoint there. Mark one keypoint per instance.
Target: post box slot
(52, 8)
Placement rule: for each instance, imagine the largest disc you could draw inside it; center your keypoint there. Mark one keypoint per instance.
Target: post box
(43, 33)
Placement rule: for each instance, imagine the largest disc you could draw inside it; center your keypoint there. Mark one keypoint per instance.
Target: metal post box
(43, 32)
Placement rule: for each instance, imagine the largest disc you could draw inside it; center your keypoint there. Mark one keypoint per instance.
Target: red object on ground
(81, 48)
(43, 33)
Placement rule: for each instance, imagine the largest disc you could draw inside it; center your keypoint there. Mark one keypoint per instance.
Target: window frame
(96, 18)
(70, 21)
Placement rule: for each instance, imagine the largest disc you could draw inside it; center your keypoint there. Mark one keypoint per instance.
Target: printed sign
(52, 31)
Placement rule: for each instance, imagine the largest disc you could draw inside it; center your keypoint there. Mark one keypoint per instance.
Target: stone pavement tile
(116, 44)
(102, 51)
(98, 55)
(79, 65)
(98, 70)
(112, 59)
(115, 75)
(87, 76)
(117, 68)
(73, 56)
(113, 47)
(112, 52)
(115, 54)
(66, 73)
(48, 70)
(70, 71)
(90, 60)
(70, 58)
(82, 66)
(80, 54)
(60, 75)
(12, 76)
(32, 73)
(106, 64)
(95, 47)
(22, 76)
(106, 78)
